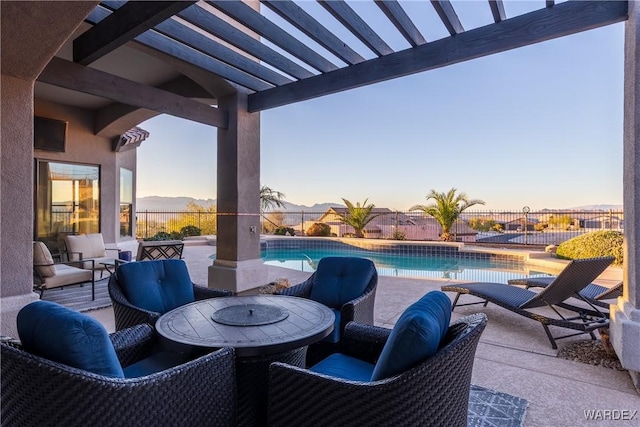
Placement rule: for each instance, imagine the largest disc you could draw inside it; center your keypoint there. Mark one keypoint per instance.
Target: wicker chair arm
(134, 343)
(302, 290)
(359, 310)
(199, 392)
(201, 292)
(364, 342)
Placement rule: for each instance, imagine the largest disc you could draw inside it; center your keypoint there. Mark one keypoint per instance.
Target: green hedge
(594, 244)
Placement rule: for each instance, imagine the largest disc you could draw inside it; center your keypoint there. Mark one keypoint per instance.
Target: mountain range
(161, 203)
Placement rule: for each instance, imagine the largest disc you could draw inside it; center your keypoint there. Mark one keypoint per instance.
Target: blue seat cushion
(159, 285)
(60, 334)
(339, 280)
(155, 363)
(346, 367)
(416, 335)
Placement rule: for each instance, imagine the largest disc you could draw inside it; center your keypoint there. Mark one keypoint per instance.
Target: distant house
(390, 223)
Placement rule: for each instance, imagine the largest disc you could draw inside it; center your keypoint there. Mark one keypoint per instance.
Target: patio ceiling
(291, 51)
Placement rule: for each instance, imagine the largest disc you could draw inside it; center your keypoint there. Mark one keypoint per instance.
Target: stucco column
(238, 265)
(625, 315)
(16, 200)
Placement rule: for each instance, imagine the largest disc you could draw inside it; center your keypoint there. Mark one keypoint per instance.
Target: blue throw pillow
(338, 280)
(416, 335)
(58, 333)
(159, 285)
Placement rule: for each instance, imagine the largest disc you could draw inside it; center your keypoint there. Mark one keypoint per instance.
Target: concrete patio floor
(514, 355)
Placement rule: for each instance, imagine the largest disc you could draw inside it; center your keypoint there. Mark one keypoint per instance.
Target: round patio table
(262, 329)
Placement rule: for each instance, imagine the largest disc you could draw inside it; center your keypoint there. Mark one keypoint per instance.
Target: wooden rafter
(178, 50)
(534, 27)
(131, 20)
(401, 20)
(354, 23)
(198, 41)
(448, 16)
(304, 22)
(234, 36)
(497, 10)
(270, 31)
(70, 75)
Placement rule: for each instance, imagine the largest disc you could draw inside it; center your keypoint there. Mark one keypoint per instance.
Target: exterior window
(67, 201)
(126, 202)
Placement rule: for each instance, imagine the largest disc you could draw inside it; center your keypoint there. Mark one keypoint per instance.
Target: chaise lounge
(574, 278)
(596, 294)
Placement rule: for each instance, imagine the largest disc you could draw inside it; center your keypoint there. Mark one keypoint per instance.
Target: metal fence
(489, 227)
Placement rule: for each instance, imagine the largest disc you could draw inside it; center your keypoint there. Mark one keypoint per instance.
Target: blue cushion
(416, 335)
(338, 280)
(58, 333)
(155, 363)
(343, 366)
(159, 285)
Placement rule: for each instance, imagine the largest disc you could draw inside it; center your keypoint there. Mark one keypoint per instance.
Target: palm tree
(357, 216)
(270, 198)
(446, 209)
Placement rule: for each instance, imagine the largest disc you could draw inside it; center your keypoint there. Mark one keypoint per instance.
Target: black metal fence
(491, 227)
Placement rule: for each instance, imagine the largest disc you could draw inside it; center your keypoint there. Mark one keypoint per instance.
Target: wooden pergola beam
(497, 10)
(561, 20)
(448, 16)
(296, 16)
(270, 31)
(398, 17)
(129, 21)
(354, 23)
(70, 75)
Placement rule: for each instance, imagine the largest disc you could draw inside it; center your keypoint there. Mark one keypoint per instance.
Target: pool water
(407, 265)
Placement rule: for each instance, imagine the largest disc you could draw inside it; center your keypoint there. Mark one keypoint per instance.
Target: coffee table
(262, 329)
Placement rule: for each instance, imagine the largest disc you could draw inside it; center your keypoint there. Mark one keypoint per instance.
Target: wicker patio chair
(574, 278)
(143, 291)
(434, 392)
(347, 285)
(596, 294)
(37, 391)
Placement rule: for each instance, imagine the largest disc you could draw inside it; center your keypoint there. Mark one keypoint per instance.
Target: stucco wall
(16, 198)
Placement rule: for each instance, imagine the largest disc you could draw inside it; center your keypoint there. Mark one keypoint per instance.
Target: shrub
(161, 235)
(282, 231)
(594, 244)
(319, 229)
(398, 235)
(190, 230)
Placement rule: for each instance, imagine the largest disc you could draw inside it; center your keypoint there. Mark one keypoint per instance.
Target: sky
(539, 126)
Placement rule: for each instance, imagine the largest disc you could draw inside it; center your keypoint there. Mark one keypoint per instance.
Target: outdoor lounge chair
(87, 247)
(347, 285)
(67, 371)
(596, 294)
(574, 278)
(143, 291)
(384, 377)
(48, 275)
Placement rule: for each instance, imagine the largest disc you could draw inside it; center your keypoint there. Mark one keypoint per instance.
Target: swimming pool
(403, 260)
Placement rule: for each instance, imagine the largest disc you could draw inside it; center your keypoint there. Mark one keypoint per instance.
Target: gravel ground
(590, 352)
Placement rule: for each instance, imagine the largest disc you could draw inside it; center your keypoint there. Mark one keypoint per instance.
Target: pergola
(222, 62)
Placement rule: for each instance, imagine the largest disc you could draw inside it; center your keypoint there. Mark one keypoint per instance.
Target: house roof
(282, 52)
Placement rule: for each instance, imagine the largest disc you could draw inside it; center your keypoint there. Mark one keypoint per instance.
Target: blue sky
(538, 126)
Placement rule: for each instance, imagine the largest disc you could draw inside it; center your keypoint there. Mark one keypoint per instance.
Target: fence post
(302, 222)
